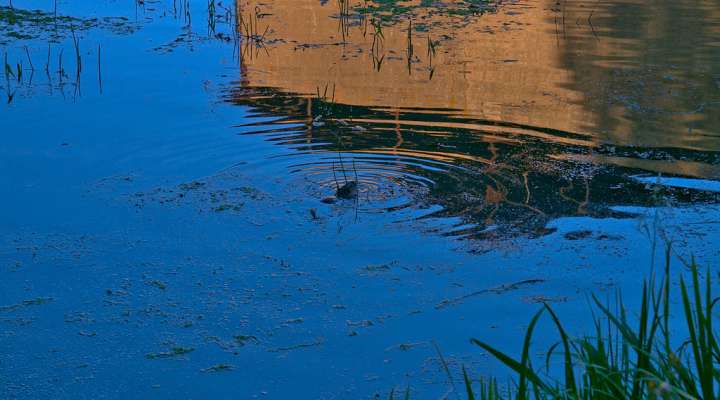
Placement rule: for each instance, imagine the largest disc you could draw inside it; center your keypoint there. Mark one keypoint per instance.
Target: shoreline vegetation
(630, 354)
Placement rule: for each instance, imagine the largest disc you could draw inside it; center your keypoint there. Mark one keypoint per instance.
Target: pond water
(177, 217)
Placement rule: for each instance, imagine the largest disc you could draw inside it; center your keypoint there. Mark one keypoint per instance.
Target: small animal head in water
(314, 214)
(348, 190)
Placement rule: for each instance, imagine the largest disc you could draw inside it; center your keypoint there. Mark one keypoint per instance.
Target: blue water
(153, 216)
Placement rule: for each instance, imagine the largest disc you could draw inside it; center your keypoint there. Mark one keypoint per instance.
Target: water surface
(167, 227)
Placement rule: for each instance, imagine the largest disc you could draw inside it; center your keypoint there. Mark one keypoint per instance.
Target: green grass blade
(568, 365)
(522, 385)
(468, 385)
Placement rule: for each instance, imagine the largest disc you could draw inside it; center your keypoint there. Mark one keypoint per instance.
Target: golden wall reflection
(509, 115)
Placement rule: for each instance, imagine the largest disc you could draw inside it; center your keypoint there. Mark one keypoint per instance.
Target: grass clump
(625, 358)
(635, 358)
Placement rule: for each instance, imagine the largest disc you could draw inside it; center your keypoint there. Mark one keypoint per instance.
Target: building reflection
(505, 120)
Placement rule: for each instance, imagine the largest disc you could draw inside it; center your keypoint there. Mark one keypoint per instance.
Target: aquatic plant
(394, 10)
(21, 24)
(624, 358)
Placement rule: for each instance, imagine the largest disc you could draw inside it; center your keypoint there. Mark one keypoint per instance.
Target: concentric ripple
(497, 178)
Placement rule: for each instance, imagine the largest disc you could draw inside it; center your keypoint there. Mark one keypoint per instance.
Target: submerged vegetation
(390, 10)
(629, 356)
(22, 24)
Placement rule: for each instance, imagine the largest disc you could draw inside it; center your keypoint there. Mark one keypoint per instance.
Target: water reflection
(504, 118)
(649, 72)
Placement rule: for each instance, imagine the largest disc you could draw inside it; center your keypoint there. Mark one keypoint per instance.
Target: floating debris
(496, 290)
(318, 342)
(577, 235)
(25, 303)
(406, 346)
(229, 207)
(364, 323)
(158, 284)
(242, 340)
(218, 368)
(378, 268)
(174, 352)
(382, 267)
(545, 299)
(329, 200)
(191, 186)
